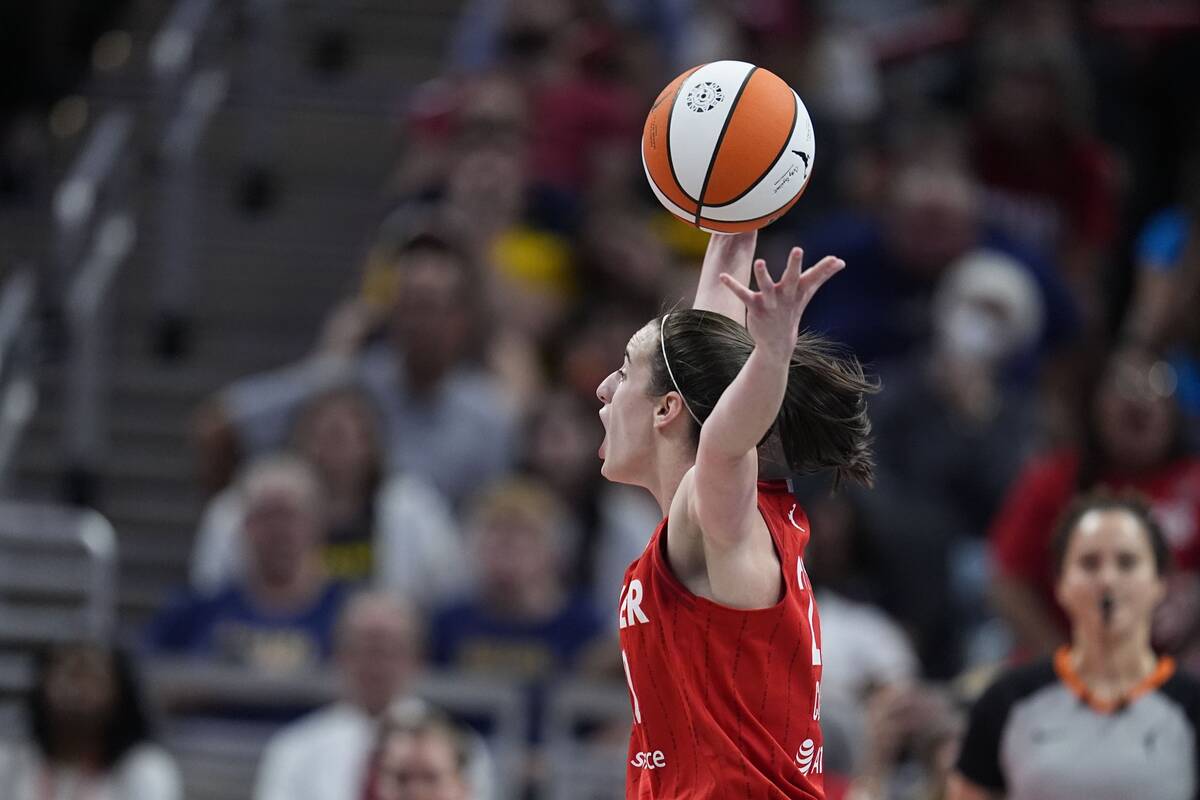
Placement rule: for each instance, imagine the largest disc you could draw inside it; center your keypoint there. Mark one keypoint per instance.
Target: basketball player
(720, 637)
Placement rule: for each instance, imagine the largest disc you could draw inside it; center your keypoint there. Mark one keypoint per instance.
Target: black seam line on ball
(767, 171)
(670, 115)
(721, 138)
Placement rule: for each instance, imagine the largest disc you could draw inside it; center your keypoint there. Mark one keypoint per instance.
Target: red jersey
(726, 702)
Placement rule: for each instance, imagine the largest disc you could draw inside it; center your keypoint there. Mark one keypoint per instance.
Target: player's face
(1110, 554)
(418, 768)
(627, 413)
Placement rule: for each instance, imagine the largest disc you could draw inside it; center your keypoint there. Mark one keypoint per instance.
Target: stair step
(156, 512)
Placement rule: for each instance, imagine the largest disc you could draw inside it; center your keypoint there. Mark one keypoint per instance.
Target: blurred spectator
(582, 350)
(90, 734)
(419, 755)
(1134, 440)
(880, 307)
(1167, 286)
(523, 622)
(562, 441)
(913, 733)
(1106, 717)
(1049, 182)
(863, 649)
(624, 262)
(951, 434)
(393, 530)
(278, 617)
(569, 58)
(324, 755)
(444, 419)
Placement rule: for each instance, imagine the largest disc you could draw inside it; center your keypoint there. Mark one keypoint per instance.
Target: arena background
(220, 218)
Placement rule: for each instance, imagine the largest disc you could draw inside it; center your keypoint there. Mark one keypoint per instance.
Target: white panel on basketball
(674, 209)
(782, 182)
(701, 107)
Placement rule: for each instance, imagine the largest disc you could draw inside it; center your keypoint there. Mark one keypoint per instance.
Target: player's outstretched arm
(727, 254)
(723, 491)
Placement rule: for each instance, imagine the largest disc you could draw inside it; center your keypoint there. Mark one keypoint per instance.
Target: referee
(1106, 718)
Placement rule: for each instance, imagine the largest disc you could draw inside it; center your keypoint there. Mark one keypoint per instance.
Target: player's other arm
(727, 254)
(723, 491)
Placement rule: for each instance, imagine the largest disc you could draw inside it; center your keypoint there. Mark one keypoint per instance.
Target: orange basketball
(728, 147)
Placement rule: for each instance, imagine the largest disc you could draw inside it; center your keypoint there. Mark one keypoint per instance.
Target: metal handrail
(205, 93)
(47, 528)
(176, 42)
(188, 92)
(88, 368)
(78, 201)
(96, 233)
(18, 393)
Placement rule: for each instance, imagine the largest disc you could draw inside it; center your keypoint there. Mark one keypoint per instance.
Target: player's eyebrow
(627, 358)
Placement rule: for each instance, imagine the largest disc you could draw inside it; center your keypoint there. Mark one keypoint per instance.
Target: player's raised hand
(773, 312)
(727, 254)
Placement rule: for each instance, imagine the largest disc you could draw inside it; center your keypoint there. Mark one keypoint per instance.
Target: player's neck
(670, 467)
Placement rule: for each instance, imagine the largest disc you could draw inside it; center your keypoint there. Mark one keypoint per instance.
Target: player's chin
(611, 470)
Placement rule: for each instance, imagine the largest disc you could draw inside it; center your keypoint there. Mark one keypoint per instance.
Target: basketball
(728, 147)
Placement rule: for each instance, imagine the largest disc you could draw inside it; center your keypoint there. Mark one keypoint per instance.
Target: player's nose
(602, 392)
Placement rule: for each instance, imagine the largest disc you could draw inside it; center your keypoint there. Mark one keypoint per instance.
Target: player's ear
(667, 408)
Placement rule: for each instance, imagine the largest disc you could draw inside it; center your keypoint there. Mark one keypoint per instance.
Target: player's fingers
(735, 286)
(762, 275)
(820, 272)
(766, 286)
(791, 275)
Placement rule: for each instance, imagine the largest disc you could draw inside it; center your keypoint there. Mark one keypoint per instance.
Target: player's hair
(822, 423)
(1131, 503)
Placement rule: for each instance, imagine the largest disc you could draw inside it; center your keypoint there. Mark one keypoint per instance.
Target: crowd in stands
(1015, 188)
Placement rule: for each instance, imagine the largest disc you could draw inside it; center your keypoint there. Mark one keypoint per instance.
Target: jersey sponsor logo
(810, 758)
(649, 759)
(792, 519)
(631, 605)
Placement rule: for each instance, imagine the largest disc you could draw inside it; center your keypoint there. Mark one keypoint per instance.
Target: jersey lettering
(802, 577)
(817, 702)
(631, 605)
(637, 709)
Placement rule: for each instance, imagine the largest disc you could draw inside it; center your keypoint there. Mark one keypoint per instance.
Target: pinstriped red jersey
(726, 702)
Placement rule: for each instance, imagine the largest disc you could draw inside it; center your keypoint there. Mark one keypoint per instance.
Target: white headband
(662, 340)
